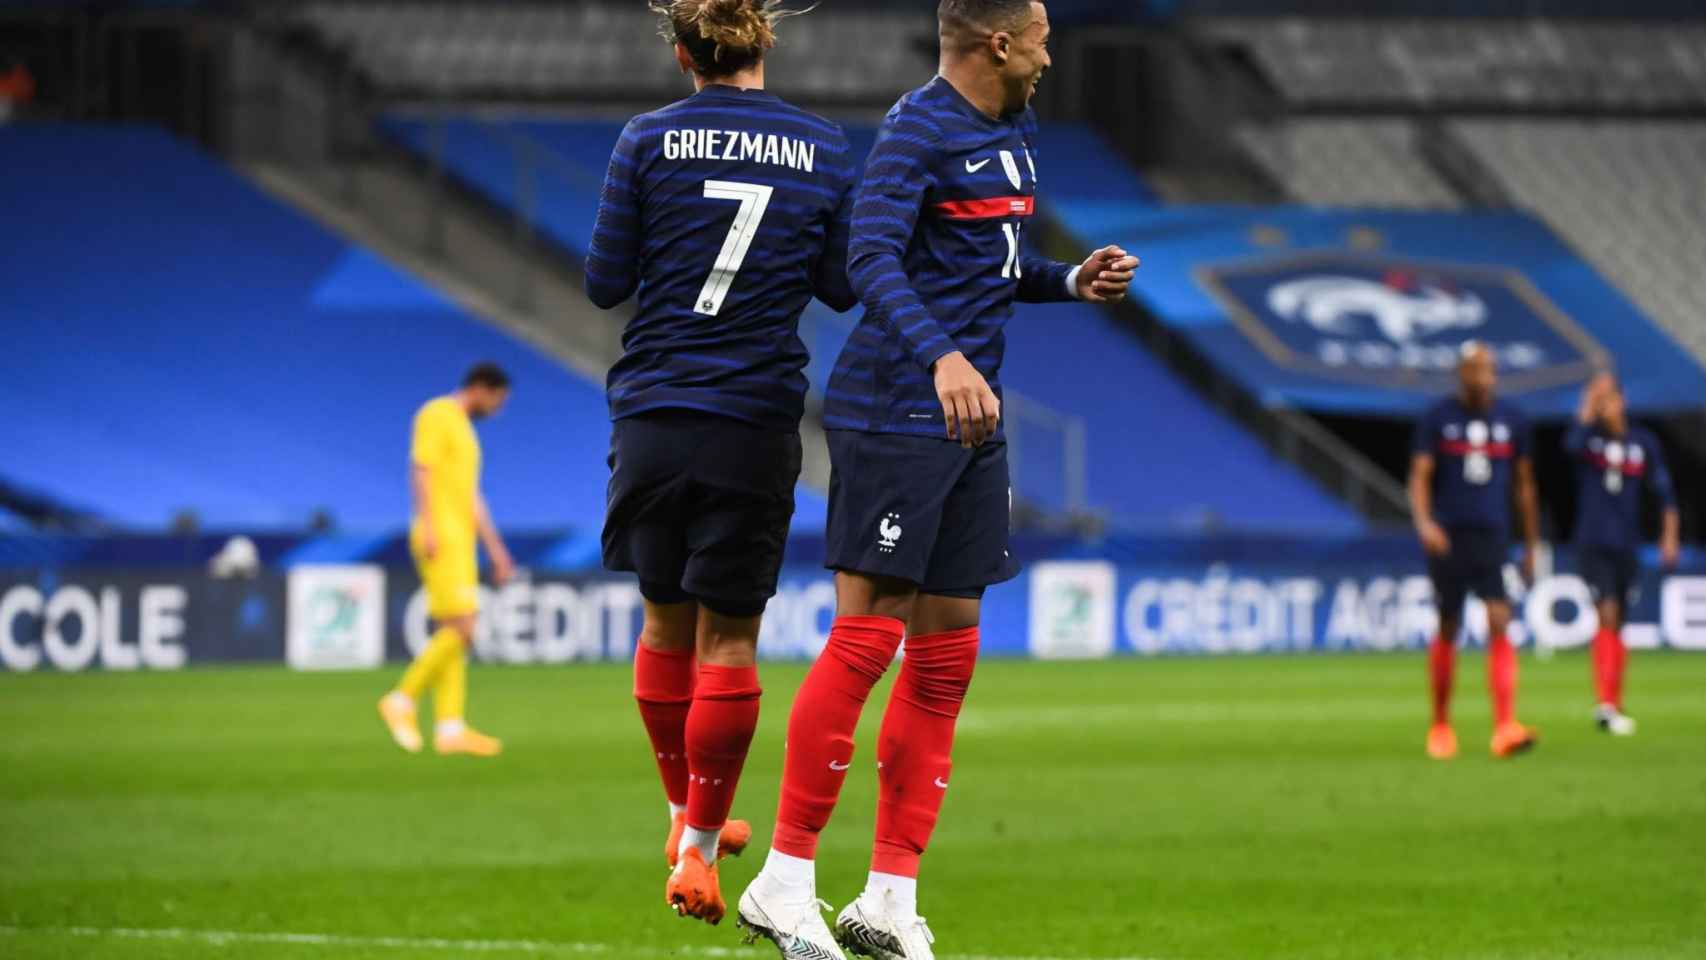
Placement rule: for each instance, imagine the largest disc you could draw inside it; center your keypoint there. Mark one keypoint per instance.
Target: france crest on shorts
(1392, 321)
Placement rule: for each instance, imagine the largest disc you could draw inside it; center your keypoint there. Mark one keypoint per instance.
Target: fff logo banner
(1390, 321)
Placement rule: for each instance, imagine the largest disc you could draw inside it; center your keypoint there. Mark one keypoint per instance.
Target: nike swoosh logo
(839, 766)
(975, 167)
(941, 783)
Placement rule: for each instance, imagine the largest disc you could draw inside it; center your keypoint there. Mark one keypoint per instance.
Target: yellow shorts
(451, 579)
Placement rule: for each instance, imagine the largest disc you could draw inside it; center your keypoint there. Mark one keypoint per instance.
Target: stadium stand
(1161, 456)
(1444, 62)
(459, 49)
(179, 341)
(491, 153)
(1630, 195)
(1347, 162)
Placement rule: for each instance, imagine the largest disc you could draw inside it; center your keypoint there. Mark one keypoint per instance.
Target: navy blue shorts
(699, 506)
(1475, 564)
(1611, 573)
(920, 509)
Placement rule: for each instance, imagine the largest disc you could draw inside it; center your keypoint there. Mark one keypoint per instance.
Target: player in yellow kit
(449, 516)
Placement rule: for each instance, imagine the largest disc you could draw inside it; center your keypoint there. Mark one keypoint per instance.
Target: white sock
(902, 891)
(791, 871)
(705, 840)
(676, 810)
(449, 728)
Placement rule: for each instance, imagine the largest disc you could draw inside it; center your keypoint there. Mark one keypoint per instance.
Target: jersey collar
(966, 106)
(731, 92)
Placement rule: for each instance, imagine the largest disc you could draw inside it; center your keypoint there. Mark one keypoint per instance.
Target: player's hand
(1670, 552)
(1434, 540)
(1104, 277)
(1526, 564)
(1592, 397)
(969, 407)
(503, 568)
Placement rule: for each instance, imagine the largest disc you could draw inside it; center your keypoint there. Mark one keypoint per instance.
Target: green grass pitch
(1180, 809)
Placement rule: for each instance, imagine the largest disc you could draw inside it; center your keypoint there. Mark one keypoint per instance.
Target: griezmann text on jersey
(726, 212)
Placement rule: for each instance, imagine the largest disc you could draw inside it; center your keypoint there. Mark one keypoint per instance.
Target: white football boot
(873, 926)
(792, 919)
(1614, 721)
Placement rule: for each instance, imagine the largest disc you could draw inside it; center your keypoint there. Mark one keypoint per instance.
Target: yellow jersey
(446, 445)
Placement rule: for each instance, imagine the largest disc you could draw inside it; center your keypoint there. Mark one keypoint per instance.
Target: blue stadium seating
(178, 340)
(1159, 457)
(570, 156)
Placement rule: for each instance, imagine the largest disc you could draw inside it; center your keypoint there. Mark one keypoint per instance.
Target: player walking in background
(919, 496)
(727, 211)
(1470, 455)
(450, 515)
(1614, 460)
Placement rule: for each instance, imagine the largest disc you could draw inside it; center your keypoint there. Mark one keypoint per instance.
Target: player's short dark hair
(954, 16)
(486, 374)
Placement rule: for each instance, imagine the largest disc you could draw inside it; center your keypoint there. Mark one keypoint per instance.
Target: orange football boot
(469, 741)
(1510, 739)
(399, 715)
(730, 843)
(1442, 741)
(693, 889)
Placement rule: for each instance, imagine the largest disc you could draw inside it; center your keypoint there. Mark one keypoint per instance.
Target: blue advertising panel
(1151, 596)
(1363, 311)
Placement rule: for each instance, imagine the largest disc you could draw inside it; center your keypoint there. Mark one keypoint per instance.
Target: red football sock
(719, 731)
(1609, 659)
(1442, 664)
(1501, 678)
(915, 749)
(663, 687)
(820, 728)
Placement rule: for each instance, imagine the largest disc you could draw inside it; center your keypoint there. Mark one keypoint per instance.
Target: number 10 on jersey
(754, 199)
(1010, 269)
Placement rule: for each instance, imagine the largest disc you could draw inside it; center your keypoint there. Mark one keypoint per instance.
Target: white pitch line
(222, 938)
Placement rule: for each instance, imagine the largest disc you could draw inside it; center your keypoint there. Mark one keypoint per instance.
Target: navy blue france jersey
(1610, 473)
(727, 211)
(1474, 453)
(936, 258)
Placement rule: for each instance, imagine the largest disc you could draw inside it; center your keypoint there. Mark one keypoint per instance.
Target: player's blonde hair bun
(735, 30)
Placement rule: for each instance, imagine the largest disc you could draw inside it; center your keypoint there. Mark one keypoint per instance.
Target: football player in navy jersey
(1470, 456)
(1616, 461)
(725, 212)
(919, 496)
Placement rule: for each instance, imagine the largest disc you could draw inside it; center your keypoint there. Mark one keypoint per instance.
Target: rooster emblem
(1332, 304)
(888, 532)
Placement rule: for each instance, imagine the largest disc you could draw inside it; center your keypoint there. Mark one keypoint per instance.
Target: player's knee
(669, 628)
(1610, 616)
(728, 639)
(464, 627)
(941, 613)
(867, 595)
(1448, 628)
(1498, 618)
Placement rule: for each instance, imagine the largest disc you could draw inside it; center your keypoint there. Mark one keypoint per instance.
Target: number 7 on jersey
(754, 200)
